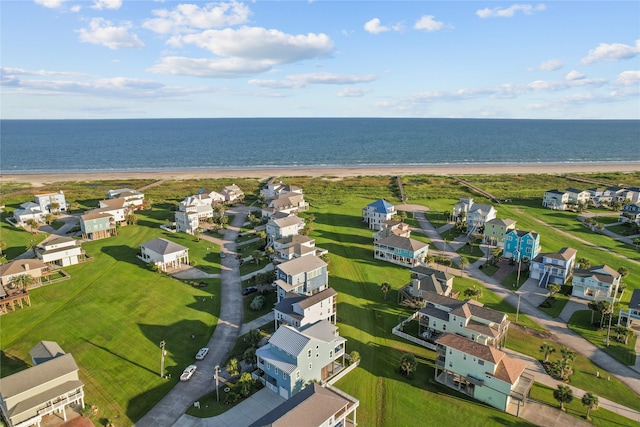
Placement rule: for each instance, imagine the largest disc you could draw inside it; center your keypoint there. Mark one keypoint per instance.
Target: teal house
(519, 245)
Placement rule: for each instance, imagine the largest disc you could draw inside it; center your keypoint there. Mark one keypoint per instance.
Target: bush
(257, 303)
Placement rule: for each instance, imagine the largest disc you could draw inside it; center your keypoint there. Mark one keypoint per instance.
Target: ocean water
(59, 146)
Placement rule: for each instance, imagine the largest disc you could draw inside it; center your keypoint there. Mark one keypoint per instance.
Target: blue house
(306, 275)
(294, 357)
(520, 245)
(374, 214)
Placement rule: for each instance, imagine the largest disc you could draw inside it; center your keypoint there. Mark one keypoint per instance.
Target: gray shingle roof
(35, 376)
(400, 242)
(163, 246)
(300, 265)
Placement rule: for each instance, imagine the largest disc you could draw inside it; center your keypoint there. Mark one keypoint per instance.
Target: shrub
(257, 303)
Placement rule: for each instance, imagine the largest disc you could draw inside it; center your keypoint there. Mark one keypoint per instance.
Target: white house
(286, 203)
(28, 211)
(165, 254)
(553, 267)
(132, 198)
(596, 283)
(282, 225)
(482, 372)
(300, 310)
(187, 222)
(296, 246)
(374, 214)
(633, 313)
(32, 267)
(60, 251)
(476, 214)
(46, 200)
(555, 199)
(425, 279)
(232, 193)
(273, 190)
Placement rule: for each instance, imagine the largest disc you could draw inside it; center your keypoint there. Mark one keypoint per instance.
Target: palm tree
(3, 246)
(233, 367)
(568, 354)
(547, 349)
(403, 216)
(591, 401)
(354, 357)
(196, 233)
(33, 225)
(604, 307)
(408, 364)
(584, 263)
(53, 207)
(593, 306)
(553, 289)
(563, 394)
(496, 252)
(249, 356)
(386, 287)
(464, 261)
(256, 255)
(23, 281)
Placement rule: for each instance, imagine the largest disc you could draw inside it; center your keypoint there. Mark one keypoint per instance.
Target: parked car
(202, 353)
(188, 372)
(249, 290)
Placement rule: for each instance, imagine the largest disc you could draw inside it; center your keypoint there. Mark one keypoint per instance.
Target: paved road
(179, 399)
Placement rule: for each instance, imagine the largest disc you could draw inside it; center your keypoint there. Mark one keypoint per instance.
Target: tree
(49, 218)
(3, 246)
(32, 246)
(593, 306)
(547, 349)
(249, 356)
(196, 233)
(54, 207)
(33, 225)
(354, 357)
(403, 216)
(257, 303)
(22, 281)
(584, 263)
(245, 383)
(553, 289)
(253, 337)
(496, 253)
(591, 401)
(604, 307)
(464, 261)
(563, 394)
(233, 367)
(256, 255)
(473, 292)
(386, 287)
(568, 354)
(408, 365)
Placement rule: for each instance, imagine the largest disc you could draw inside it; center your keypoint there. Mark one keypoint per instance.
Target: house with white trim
(306, 275)
(97, 224)
(286, 203)
(475, 214)
(31, 267)
(632, 314)
(425, 279)
(298, 310)
(482, 372)
(46, 200)
(496, 229)
(630, 213)
(375, 213)
(553, 267)
(521, 245)
(28, 211)
(294, 357)
(165, 254)
(555, 199)
(596, 283)
(315, 406)
(282, 225)
(60, 251)
(41, 394)
(232, 193)
(296, 246)
(399, 250)
(133, 199)
(275, 189)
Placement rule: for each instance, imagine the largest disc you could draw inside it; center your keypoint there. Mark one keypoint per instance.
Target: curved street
(166, 412)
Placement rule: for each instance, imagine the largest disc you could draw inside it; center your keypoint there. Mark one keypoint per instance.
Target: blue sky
(158, 59)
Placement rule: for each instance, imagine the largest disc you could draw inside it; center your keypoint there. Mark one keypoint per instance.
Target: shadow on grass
(118, 355)
(123, 253)
(10, 364)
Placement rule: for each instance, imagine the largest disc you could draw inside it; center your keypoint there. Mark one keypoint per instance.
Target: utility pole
(217, 388)
(162, 344)
(609, 328)
(518, 308)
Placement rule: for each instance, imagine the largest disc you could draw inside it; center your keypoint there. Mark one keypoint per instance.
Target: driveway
(179, 399)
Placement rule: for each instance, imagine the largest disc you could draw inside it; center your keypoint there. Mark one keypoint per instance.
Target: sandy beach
(37, 180)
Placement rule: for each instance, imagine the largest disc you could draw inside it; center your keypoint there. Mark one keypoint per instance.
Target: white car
(202, 353)
(188, 372)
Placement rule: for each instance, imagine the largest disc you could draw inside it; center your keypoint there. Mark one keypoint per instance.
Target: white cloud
(189, 17)
(213, 68)
(550, 65)
(302, 80)
(260, 44)
(24, 72)
(428, 23)
(575, 75)
(105, 33)
(509, 12)
(628, 78)
(107, 4)
(51, 4)
(611, 52)
(571, 81)
(373, 26)
(352, 92)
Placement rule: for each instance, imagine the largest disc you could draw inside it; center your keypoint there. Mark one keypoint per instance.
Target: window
(275, 370)
(268, 365)
(464, 357)
(297, 375)
(309, 366)
(309, 353)
(480, 362)
(330, 353)
(284, 375)
(461, 324)
(450, 351)
(434, 323)
(444, 327)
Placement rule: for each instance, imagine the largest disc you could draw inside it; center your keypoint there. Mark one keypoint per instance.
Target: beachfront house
(164, 254)
(482, 372)
(40, 395)
(191, 211)
(596, 283)
(296, 246)
(521, 245)
(51, 202)
(306, 275)
(555, 199)
(468, 318)
(475, 214)
(632, 194)
(425, 279)
(392, 228)
(496, 229)
(44, 351)
(286, 203)
(300, 310)
(232, 193)
(399, 250)
(60, 251)
(282, 225)
(133, 199)
(577, 196)
(630, 213)
(553, 267)
(28, 211)
(374, 214)
(315, 406)
(275, 189)
(294, 357)
(31, 267)
(627, 317)
(97, 224)
(117, 208)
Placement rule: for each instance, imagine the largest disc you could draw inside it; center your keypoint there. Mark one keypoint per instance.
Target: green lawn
(472, 252)
(580, 322)
(557, 303)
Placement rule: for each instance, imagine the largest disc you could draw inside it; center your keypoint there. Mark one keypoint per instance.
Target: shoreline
(40, 179)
